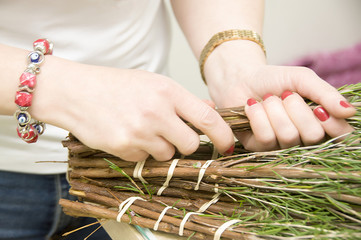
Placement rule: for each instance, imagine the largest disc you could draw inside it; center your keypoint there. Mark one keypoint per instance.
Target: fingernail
(345, 104)
(285, 94)
(267, 96)
(229, 152)
(251, 101)
(321, 114)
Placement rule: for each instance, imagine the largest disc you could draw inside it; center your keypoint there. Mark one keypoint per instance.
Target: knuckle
(165, 155)
(164, 87)
(307, 72)
(148, 112)
(289, 135)
(208, 117)
(191, 146)
(313, 137)
(267, 139)
(136, 157)
(137, 128)
(120, 144)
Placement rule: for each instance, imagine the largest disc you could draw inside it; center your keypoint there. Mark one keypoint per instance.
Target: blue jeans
(29, 209)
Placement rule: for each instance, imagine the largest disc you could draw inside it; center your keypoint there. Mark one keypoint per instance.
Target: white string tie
(169, 176)
(201, 173)
(214, 153)
(137, 173)
(223, 227)
(181, 226)
(123, 207)
(205, 206)
(155, 228)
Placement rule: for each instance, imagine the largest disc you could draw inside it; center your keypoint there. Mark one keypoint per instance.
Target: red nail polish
(345, 104)
(285, 94)
(321, 114)
(251, 101)
(229, 151)
(267, 96)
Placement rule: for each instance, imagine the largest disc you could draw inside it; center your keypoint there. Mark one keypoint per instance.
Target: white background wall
(292, 28)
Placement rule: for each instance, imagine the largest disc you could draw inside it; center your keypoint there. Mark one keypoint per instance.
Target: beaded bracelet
(229, 35)
(29, 129)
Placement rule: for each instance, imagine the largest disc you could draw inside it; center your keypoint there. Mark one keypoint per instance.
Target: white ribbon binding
(169, 176)
(123, 207)
(223, 227)
(201, 173)
(137, 173)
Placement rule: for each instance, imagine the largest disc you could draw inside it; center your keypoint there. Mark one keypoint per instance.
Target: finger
(181, 136)
(249, 142)
(319, 91)
(120, 145)
(263, 137)
(286, 132)
(207, 120)
(301, 114)
(134, 155)
(159, 148)
(334, 127)
(210, 103)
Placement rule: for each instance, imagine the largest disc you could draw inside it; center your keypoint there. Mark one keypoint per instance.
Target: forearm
(201, 19)
(53, 85)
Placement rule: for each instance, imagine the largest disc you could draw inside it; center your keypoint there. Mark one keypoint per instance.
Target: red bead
(47, 45)
(29, 136)
(33, 140)
(28, 79)
(23, 99)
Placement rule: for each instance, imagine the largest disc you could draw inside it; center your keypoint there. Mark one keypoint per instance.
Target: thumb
(308, 84)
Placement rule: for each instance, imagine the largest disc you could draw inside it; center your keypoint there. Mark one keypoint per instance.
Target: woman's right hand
(127, 113)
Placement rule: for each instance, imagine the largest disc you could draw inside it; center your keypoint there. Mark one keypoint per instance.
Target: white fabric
(116, 33)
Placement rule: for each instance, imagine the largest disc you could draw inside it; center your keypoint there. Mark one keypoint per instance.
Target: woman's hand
(128, 113)
(273, 100)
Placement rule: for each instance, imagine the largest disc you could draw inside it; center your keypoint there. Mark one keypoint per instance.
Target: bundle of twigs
(300, 193)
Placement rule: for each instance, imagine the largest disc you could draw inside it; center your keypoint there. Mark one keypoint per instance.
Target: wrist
(52, 101)
(232, 58)
(231, 65)
(28, 128)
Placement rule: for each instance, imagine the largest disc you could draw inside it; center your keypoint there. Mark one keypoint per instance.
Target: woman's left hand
(273, 100)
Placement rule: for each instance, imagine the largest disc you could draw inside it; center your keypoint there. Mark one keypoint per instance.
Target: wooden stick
(217, 172)
(81, 209)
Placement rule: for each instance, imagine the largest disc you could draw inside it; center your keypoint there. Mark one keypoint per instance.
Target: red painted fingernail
(251, 101)
(345, 104)
(285, 94)
(267, 96)
(229, 151)
(321, 113)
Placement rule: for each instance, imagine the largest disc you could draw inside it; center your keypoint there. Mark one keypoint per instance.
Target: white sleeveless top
(117, 33)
